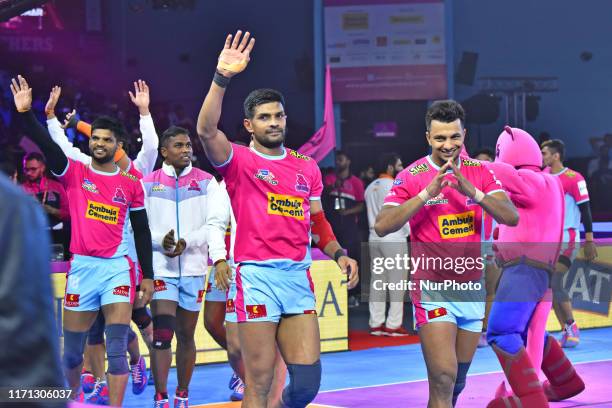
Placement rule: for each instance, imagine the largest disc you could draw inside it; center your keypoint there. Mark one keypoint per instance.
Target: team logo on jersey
(200, 296)
(439, 312)
(266, 175)
(456, 225)
(301, 184)
(229, 306)
(256, 311)
(419, 168)
(128, 175)
(194, 186)
(71, 300)
(397, 182)
(123, 290)
(570, 173)
(471, 163)
(437, 200)
(119, 196)
(158, 188)
(298, 155)
(286, 206)
(108, 214)
(89, 186)
(159, 285)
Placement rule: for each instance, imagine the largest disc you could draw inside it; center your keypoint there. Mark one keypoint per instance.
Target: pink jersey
(576, 193)
(451, 217)
(99, 205)
(270, 197)
(538, 198)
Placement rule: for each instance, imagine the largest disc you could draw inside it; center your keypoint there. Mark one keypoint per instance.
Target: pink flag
(324, 140)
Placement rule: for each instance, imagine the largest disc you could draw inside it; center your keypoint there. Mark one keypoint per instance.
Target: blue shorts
(213, 293)
(93, 282)
(230, 305)
(464, 308)
(265, 294)
(188, 291)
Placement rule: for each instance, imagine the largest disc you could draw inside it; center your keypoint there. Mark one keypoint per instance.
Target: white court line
(425, 379)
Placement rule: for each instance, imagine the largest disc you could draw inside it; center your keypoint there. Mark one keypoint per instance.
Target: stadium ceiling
(12, 8)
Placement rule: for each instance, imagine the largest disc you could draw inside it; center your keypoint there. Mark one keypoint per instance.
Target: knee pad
(163, 331)
(141, 317)
(95, 335)
(74, 347)
(304, 383)
(116, 348)
(131, 335)
(462, 370)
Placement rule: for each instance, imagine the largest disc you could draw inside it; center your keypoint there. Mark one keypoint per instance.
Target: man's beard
(270, 144)
(105, 159)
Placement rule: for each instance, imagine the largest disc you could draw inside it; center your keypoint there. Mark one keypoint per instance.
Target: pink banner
(417, 82)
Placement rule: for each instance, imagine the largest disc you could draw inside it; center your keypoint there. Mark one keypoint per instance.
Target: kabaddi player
(178, 197)
(275, 195)
(101, 275)
(577, 206)
(437, 191)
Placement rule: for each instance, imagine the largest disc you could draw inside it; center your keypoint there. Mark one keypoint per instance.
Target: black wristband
(221, 80)
(338, 254)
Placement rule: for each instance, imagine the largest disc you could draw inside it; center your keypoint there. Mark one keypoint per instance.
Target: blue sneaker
(151, 380)
(139, 376)
(234, 379)
(237, 391)
(88, 381)
(571, 336)
(181, 399)
(99, 396)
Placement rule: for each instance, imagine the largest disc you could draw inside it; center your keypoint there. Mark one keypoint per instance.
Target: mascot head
(517, 148)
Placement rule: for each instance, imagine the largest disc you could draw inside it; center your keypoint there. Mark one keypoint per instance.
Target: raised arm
(233, 59)
(22, 94)
(145, 160)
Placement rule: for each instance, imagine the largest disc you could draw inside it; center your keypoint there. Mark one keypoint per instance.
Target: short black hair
(34, 156)
(112, 124)
(171, 132)
(260, 97)
(341, 153)
(446, 111)
(386, 160)
(485, 150)
(557, 146)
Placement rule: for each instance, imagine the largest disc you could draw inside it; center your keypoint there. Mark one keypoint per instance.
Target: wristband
(221, 80)
(338, 254)
(424, 195)
(479, 196)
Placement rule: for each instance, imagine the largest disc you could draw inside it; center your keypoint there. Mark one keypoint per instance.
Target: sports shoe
(88, 381)
(482, 341)
(151, 380)
(99, 395)
(79, 396)
(399, 332)
(161, 401)
(377, 331)
(181, 399)
(237, 391)
(571, 336)
(234, 379)
(139, 376)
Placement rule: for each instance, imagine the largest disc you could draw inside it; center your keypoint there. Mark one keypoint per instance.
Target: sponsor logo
(582, 188)
(570, 173)
(355, 21)
(119, 196)
(298, 155)
(456, 225)
(470, 201)
(256, 311)
(266, 175)
(208, 287)
(122, 291)
(71, 300)
(419, 168)
(439, 199)
(194, 186)
(107, 214)
(229, 306)
(301, 184)
(200, 296)
(159, 285)
(89, 186)
(286, 206)
(310, 311)
(158, 188)
(439, 312)
(128, 175)
(471, 163)
(397, 182)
